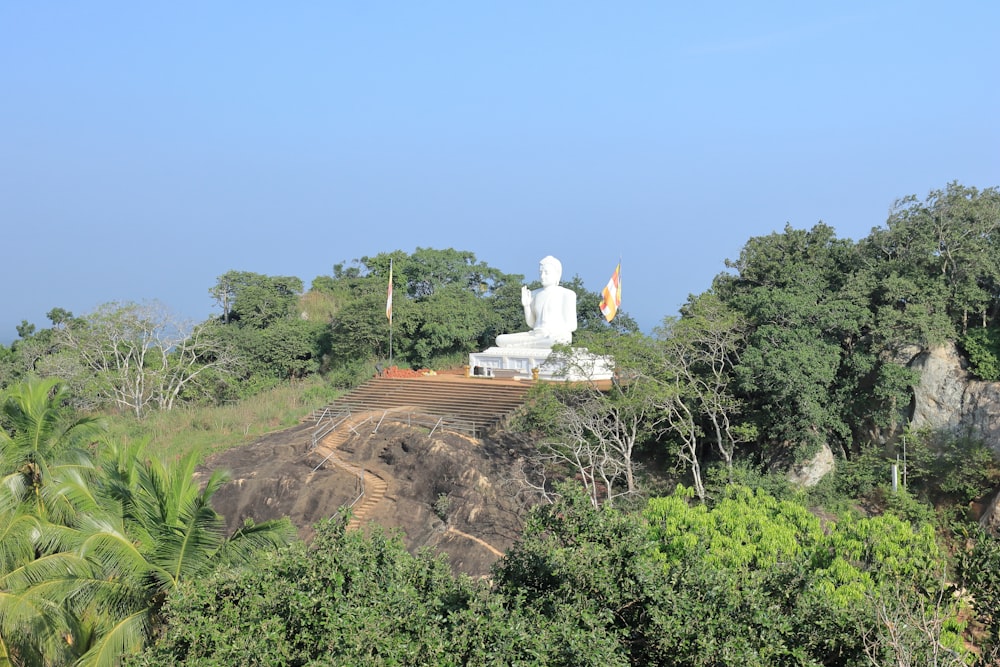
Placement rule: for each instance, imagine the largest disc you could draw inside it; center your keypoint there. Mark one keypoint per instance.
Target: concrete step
(468, 404)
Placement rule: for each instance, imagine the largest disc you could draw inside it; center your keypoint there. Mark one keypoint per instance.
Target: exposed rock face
(481, 517)
(990, 518)
(947, 397)
(812, 471)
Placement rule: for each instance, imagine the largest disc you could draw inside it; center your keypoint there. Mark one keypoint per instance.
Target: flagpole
(389, 311)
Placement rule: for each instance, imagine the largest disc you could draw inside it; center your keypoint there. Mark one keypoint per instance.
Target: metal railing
(361, 487)
(340, 417)
(322, 431)
(473, 427)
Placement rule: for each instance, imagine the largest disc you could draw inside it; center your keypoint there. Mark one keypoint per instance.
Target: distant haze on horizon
(150, 148)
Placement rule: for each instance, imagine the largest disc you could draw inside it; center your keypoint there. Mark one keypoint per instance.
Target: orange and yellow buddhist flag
(612, 294)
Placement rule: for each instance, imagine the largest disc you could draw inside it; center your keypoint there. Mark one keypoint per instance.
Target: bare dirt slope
(446, 490)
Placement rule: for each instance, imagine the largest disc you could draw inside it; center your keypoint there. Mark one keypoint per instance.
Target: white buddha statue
(549, 311)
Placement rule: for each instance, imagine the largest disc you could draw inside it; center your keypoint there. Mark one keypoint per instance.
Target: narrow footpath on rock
(372, 487)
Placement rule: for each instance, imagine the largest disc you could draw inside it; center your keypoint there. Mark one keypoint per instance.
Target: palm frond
(252, 538)
(127, 635)
(119, 463)
(69, 493)
(114, 552)
(40, 436)
(188, 549)
(47, 570)
(18, 530)
(13, 490)
(34, 623)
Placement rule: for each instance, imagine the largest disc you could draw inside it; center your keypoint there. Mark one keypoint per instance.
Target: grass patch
(209, 430)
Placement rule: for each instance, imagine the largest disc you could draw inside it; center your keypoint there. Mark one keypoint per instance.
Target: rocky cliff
(948, 397)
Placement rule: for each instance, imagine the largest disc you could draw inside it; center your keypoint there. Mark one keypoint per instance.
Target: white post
(904, 461)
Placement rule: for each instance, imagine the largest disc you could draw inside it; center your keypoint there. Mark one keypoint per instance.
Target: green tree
(428, 270)
(981, 346)
(978, 572)
(89, 552)
(44, 453)
(8, 359)
(461, 302)
(450, 326)
(697, 355)
(352, 598)
(26, 354)
(287, 349)
(935, 265)
(360, 331)
(46, 469)
(445, 304)
(37, 564)
(590, 563)
(816, 368)
(344, 599)
(163, 531)
(750, 580)
(948, 469)
(953, 234)
(138, 356)
(254, 299)
(763, 581)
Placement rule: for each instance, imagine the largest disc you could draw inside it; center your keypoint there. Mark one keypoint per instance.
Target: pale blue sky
(147, 148)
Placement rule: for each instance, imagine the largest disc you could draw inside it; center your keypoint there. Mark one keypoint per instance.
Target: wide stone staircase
(469, 405)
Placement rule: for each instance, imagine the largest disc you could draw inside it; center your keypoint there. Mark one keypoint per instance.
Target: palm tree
(45, 474)
(38, 571)
(165, 533)
(88, 554)
(43, 449)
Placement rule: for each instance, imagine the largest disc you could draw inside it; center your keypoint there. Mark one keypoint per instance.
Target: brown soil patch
(448, 491)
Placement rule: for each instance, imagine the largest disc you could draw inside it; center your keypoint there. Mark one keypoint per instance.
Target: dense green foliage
(135, 357)
(751, 580)
(982, 348)
(978, 572)
(828, 316)
(95, 535)
(347, 599)
(949, 469)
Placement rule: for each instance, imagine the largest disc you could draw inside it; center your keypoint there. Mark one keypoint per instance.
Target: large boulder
(809, 473)
(442, 490)
(989, 517)
(947, 397)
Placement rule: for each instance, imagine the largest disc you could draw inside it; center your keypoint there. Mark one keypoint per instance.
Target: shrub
(982, 348)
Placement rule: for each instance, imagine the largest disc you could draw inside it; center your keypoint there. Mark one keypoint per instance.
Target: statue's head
(550, 271)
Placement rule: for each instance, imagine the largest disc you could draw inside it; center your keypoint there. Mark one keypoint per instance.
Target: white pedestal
(577, 366)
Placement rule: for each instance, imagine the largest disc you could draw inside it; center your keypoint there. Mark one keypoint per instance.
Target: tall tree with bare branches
(139, 357)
